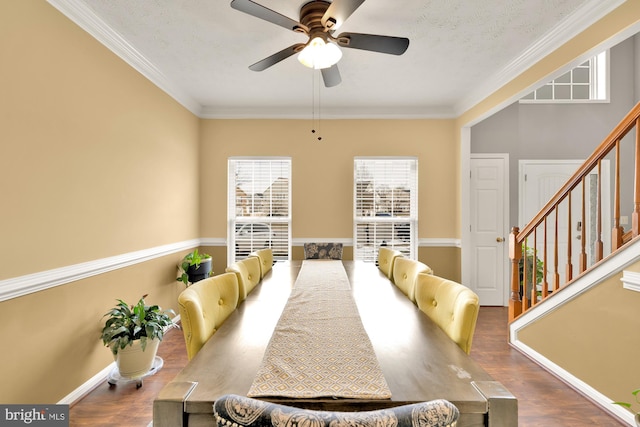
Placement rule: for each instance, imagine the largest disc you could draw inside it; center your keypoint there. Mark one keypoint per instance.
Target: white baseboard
(577, 384)
(76, 395)
(86, 388)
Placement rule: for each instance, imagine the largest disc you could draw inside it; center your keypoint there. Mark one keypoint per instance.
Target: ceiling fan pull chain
(319, 106)
(315, 122)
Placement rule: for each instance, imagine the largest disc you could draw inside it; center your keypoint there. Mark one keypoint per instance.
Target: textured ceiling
(460, 50)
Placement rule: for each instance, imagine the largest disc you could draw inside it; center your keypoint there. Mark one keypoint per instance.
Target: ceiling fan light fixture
(318, 54)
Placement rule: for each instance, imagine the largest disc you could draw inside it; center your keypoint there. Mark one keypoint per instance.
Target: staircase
(581, 325)
(539, 240)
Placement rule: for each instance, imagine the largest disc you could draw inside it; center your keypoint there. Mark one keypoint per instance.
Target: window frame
(389, 223)
(599, 83)
(236, 220)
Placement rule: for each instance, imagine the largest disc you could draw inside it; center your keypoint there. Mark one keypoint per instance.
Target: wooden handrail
(520, 300)
(623, 128)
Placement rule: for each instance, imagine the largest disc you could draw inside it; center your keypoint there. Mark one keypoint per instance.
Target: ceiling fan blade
(338, 12)
(259, 11)
(331, 76)
(276, 57)
(374, 42)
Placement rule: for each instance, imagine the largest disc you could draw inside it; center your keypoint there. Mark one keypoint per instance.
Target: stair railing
(536, 277)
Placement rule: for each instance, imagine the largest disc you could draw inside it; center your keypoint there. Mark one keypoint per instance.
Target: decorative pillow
(323, 251)
(239, 411)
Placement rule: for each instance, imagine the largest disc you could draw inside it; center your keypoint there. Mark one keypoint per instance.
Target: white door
(539, 181)
(489, 229)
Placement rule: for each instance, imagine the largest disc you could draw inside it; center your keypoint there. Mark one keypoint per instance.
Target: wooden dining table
(418, 360)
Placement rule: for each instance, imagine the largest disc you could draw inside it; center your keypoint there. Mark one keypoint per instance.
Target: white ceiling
(199, 51)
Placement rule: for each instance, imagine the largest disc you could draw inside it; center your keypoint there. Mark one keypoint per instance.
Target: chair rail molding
(631, 280)
(425, 242)
(24, 285)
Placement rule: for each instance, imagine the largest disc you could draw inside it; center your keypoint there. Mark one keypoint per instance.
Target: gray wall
(563, 131)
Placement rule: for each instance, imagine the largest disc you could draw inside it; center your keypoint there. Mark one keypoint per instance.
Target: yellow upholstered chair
(405, 271)
(323, 251)
(386, 257)
(266, 260)
(248, 273)
(204, 306)
(450, 305)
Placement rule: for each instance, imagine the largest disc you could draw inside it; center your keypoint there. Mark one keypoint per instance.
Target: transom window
(585, 83)
(259, 206)
(385, 206)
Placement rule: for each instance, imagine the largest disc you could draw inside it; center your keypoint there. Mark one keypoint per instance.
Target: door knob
(499, 239)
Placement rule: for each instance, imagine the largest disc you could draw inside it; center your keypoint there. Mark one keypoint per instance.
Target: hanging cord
(319, 108)
(315, 121)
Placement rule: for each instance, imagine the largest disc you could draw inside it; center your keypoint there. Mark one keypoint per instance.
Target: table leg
(168, 407)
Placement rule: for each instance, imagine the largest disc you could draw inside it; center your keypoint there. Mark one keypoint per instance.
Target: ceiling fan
(318, 20)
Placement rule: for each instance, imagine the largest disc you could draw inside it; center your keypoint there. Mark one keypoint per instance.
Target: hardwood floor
(543, 400)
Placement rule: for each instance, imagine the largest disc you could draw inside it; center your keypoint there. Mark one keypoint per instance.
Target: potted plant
(527, 261)
(133, 334)
(628, 405)
(194, 267)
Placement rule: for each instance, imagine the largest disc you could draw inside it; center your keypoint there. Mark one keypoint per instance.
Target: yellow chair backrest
(204, 306)
(386, 258)
(405, 271)
(450, 305)
(266, 260)
(248, 274)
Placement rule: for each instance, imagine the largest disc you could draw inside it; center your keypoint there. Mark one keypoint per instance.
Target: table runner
(319, 347)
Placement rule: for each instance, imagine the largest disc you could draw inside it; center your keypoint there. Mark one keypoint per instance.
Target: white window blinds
(385, 206)
(259, 207)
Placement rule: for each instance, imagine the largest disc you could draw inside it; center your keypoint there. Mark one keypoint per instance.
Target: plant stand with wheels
(115, 377)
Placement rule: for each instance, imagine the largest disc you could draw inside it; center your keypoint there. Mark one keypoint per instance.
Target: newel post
(515, 254)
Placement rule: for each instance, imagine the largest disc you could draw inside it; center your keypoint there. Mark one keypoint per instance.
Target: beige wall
(322, 172)
(95, 161)
(91, 150)
(594, 337)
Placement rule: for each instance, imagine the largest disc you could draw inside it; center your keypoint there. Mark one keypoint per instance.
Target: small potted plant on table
(133, 334)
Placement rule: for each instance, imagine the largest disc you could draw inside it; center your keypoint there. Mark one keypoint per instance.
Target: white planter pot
(133, 362)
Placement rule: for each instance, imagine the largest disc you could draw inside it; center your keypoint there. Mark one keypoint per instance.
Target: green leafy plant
(528, 261)
(629, 405)
(191, 259)
(126, 324)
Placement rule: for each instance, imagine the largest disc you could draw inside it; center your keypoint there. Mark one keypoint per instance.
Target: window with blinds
(259, 207)
(385, 206)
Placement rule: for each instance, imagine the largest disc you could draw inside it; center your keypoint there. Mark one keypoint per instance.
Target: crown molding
(564, 31)
(86, 19)
(329, 113)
